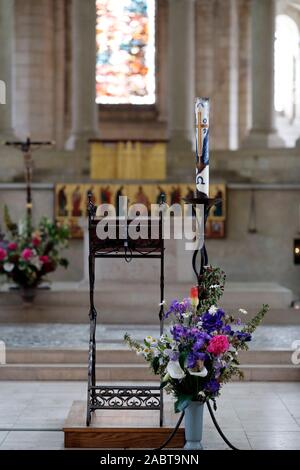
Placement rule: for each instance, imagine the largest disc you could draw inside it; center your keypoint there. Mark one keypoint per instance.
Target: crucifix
(27, 147)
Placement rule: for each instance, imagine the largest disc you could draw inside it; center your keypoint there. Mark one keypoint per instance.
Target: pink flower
(3, 254)
(12, 246)
(26, 254)
(36, 241)
(44, 259)
(218, 345)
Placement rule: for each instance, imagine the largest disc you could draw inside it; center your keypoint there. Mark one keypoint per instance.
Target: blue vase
(193, 420)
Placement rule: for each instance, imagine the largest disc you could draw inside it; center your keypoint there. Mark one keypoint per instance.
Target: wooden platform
(120, 429)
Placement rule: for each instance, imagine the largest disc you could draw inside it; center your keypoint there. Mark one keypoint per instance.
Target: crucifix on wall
(26, 148)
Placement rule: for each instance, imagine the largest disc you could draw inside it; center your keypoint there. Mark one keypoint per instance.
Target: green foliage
(251, 326)
(11, 226)
(182, 402)
(212, 283)
(132, 343)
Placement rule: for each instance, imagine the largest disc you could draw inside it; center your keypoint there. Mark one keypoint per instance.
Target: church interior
(97, 101)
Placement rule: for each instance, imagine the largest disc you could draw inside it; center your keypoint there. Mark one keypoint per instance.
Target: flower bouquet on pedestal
(28, 254)
(199, 353)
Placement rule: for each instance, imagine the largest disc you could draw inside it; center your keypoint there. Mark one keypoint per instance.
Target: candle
(202, 145)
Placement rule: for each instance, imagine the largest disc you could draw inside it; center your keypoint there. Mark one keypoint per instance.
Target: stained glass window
(125, 62)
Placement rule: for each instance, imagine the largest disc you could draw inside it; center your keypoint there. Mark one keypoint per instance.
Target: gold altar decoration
(127, 160)
(71, 201)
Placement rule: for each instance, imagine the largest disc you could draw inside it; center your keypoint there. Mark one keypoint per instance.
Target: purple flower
(172, 308)
(243, 336)
(187, 304)
(226, 330)
(198, 344)
(177, 307)
(174, 356)
(213, 322)
(194, 357)
(212, 386)
(200, 338)
(178, 332)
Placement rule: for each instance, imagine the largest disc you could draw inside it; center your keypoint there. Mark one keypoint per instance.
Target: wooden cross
(26, 148)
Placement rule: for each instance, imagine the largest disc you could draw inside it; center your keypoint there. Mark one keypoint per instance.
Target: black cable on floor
(218, 427)
(172, 434)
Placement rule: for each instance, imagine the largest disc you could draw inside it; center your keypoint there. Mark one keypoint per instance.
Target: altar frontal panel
(71, 201)
(127, 160)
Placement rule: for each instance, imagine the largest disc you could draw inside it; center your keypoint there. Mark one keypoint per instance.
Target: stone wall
(43, 57)
(266, 256)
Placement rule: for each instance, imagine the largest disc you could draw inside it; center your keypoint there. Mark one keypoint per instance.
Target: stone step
(133, 315)
(71, 356)
(271, 372)
(121, 355)
(131, 303)
(130, 372)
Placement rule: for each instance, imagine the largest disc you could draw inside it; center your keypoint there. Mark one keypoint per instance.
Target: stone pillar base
(257, 139)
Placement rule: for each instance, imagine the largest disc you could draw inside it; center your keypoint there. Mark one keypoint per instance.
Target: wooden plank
(120, 429)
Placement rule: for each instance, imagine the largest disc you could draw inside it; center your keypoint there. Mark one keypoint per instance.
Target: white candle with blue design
(202, 145)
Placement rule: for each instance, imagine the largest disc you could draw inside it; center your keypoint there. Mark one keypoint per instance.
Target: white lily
(8, 267)
(202, 373)
(174, 370)
(166, 378)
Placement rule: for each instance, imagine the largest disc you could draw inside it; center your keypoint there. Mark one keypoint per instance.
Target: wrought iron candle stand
(121, 397)
(201, 199)
(208, 203)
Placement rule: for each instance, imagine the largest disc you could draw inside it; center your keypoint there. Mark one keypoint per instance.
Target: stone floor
(252, 415)
(76, 336)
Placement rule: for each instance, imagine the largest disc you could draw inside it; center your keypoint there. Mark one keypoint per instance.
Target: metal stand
(207, 202)
(123, 247)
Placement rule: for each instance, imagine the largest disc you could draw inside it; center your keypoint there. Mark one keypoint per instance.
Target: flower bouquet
(28, 254)
(199, 353)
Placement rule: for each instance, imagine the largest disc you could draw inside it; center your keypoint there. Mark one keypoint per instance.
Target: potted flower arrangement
(28, 254)
(199, 352)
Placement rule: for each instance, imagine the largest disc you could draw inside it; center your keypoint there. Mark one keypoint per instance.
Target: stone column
(181, 86)
(263, 132)
(84, 108)
(6, 71)
(244, 69)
